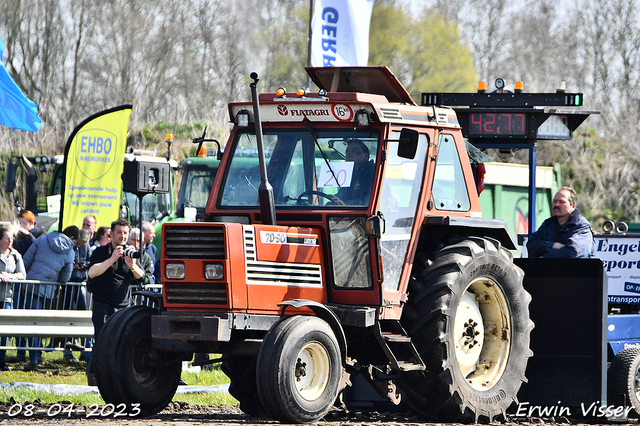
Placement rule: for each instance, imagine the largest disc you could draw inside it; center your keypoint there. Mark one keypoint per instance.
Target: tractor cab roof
(375, 80)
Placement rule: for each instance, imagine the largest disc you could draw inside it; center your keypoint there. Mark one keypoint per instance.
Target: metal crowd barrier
(63, 317)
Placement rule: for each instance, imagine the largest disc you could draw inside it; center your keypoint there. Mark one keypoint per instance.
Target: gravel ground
(182, 414)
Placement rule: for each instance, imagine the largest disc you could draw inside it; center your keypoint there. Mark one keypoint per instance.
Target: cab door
(399, 200)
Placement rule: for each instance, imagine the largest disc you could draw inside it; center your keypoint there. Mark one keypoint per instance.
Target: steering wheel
(332, 198)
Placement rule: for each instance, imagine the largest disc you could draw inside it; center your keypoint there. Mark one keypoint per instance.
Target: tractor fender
(452, 226)
(155, 297)
(326, 314)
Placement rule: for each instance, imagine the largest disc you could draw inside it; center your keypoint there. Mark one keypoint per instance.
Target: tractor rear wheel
(241, 371)
(623, 379)
(128, 370)
(468, 316)
(299, 369)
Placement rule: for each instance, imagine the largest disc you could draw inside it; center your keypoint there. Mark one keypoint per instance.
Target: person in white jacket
(12, 268)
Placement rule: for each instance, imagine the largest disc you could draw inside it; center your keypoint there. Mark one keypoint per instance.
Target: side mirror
(10, 177)
(408, 143)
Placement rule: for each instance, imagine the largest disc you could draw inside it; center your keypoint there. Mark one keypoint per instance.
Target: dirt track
(181, 414)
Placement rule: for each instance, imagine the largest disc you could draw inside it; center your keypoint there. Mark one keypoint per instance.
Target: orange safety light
(301, 92)
(281, 92)
(519, 85)
(203, 152)
(482, 86)
(169, 137)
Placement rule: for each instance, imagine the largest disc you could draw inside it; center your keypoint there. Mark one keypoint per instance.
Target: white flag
(340, 33)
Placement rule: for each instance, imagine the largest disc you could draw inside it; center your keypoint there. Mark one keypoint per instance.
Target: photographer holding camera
(113, 267)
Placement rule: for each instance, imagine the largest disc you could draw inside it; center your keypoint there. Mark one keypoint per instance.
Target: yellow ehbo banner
(93, 162)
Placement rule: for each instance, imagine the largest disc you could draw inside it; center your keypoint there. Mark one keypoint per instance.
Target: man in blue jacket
(564, 235)
(50, 258)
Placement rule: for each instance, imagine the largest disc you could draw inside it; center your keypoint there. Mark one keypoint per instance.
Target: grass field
(55, 370)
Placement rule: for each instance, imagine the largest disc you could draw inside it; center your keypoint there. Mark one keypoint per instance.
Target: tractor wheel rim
(142, 368)
(482, 333)
(312, 371)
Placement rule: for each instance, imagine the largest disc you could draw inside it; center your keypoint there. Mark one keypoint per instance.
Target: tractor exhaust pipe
(265, 191)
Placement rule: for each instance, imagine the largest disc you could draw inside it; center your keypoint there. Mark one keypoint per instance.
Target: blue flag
(16, 110)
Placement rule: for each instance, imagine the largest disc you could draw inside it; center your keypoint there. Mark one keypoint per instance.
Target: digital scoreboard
(513, 118)
(528, 124)
(496, 124)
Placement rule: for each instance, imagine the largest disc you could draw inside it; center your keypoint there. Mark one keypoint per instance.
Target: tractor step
(396, 338)
(409, 366)
(397, 346)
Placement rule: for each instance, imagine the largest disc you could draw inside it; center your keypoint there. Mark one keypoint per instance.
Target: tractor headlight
(174, 271)
(242, 118)
(213, 271)
(362, 118)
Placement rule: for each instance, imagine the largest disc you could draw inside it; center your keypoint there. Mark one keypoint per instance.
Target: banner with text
(93, 163)
(340, 33)
(620, 255)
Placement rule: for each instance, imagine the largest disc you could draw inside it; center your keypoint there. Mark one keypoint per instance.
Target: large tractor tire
(468, 316)
(241, 371)
(128, 370)
(623, 379)
(299, 369)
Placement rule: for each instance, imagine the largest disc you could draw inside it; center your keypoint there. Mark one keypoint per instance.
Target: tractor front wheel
(128, 370)
(299, 369)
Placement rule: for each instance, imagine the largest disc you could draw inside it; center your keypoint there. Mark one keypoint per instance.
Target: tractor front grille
(194, 242)
(196, 293)
(277, 273)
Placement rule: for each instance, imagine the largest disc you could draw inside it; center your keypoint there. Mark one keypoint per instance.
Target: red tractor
(343, 240)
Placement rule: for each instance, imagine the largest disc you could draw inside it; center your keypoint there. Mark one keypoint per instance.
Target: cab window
(449, 187)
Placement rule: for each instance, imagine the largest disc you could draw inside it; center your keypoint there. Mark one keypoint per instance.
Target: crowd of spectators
(92, 255)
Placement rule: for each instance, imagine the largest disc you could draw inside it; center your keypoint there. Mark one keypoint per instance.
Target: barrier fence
(54, 313)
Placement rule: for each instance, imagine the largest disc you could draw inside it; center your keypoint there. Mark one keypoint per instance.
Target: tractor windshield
(197, 180)
(152, 206)
(307, 168)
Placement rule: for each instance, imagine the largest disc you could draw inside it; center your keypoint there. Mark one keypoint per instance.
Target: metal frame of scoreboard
(514, 120)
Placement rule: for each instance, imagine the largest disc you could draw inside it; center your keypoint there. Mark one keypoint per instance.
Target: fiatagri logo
(340, 112)
(95, 152)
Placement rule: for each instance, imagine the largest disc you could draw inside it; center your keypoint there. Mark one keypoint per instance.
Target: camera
(131, 252)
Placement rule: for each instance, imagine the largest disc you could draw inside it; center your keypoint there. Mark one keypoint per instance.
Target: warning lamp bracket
(201, 140)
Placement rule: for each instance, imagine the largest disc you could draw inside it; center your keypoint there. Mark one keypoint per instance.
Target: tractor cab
(353, 165)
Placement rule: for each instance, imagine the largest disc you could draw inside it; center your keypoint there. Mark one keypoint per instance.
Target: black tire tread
(114, 354)
(267, 396)
(105, 352)
(436, 394)
(620, 377)
(272, 376)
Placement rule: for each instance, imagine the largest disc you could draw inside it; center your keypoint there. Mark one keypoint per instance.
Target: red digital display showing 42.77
(497, 124)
